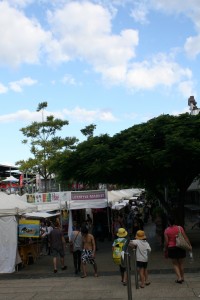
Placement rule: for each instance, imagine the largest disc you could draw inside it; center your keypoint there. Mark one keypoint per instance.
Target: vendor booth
(68, 202)
(10, 208)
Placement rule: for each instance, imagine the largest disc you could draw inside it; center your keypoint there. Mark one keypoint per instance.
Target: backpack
(117, 251)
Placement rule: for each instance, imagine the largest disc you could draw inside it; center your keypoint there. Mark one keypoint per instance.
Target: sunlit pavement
(37, 281)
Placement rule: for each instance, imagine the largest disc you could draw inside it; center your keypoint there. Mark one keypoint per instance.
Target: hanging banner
(88, 199)
(21, 179)
(46, 197)
(88, 195)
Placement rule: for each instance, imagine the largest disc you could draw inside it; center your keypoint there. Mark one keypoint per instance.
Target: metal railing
(127, 260)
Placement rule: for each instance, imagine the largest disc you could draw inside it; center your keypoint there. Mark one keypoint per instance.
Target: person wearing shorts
(88, 252)
(57, 245)
(176, 254)
(142, 252)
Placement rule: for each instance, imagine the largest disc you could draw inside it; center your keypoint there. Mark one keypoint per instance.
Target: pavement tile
(37, 281)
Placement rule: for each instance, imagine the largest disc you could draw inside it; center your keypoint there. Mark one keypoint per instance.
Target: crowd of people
(81, 238)
(131, 226)
(128, 226)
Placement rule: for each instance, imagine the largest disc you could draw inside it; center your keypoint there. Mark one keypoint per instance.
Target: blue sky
(113, 63)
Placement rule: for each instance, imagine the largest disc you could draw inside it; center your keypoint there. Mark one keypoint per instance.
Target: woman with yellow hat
(142, 252)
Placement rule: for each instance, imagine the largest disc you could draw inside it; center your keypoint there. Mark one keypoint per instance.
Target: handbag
(71, 244)
(181, 242)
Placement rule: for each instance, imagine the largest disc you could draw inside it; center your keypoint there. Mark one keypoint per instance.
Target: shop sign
(88, 195)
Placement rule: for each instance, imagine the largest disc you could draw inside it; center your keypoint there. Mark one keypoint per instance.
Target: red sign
(21, 178)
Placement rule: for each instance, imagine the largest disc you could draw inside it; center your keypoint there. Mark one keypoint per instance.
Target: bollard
(127, 264)
(135, 268)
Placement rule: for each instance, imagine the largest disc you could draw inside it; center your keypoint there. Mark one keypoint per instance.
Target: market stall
(11, 207)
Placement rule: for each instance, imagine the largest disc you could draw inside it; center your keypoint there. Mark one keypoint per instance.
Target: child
(142, 251)
(122, 235)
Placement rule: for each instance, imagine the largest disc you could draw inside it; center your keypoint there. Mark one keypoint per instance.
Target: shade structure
(11, 205)
(41, 215)
(10, 179)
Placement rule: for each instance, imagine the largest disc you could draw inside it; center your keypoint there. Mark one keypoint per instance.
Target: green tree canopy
(163, 152)
(45, 145)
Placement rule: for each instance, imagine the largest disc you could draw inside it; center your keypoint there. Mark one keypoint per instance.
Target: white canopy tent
(118, 199)
(10, 207)
(40, 215)
(10, 179)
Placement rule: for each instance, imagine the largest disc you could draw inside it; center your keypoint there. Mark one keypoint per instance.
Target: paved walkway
(37, 281)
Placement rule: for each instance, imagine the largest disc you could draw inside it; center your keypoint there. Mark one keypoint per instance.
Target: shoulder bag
(181, 242)
(71, 244)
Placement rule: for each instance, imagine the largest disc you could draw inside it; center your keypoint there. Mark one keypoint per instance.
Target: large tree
(161, 153)
(164, 152)
(45, 145)
(88, 163)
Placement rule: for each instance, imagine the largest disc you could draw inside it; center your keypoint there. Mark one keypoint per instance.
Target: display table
(29, 251)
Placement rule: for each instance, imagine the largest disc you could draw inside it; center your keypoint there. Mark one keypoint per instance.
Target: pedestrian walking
(117, 248)
(88, 252)
(176, 254)
(142, 255)
(57, 244)
(76, 240)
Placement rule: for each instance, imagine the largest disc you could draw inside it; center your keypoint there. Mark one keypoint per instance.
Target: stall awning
(41, 215)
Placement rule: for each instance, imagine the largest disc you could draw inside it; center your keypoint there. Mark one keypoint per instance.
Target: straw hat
(122, 232)
(140, 235)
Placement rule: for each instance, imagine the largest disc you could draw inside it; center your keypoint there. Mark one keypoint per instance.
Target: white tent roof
(119, 205)
(10, 179)
(41, 215)
(113, 197)
(12, 205)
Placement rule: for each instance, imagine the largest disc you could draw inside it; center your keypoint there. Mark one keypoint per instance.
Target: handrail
(127, 261)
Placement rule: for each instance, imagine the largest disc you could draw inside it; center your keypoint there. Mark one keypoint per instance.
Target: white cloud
(110, 55)
(139, 12)
(183, 111)
(192, 46)
(3, 88)
(190, 8)
(92, 42)
(19, 3)
(83, 115)
(159, 71)
(23, 39)
(18, 85)
(68, 79)
(22, 115)
(187, 88)
(78, 114)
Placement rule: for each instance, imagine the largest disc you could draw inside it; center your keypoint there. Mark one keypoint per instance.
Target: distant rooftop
(6, 170)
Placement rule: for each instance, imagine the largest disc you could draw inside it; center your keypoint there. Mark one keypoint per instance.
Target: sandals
(178, 281)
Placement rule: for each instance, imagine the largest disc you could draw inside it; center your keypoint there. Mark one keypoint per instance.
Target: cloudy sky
(113, 63)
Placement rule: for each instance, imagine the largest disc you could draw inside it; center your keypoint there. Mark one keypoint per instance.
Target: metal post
(135, 269)
(60, 207)
(127, 263)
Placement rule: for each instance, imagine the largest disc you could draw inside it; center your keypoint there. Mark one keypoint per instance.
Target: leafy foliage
(45, 146)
